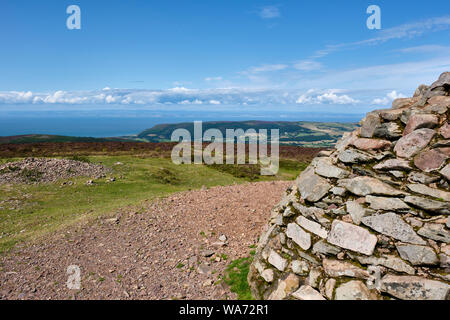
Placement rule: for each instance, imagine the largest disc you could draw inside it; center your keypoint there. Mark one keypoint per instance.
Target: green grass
(236, 278)
(31, 211)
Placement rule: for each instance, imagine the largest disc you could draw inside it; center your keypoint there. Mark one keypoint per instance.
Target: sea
(126, 124)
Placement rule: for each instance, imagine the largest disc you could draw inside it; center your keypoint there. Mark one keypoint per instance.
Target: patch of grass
(49, 207)
(244, 171)
(79, 158)
(166, 176)
(180, 265)
(236, 278)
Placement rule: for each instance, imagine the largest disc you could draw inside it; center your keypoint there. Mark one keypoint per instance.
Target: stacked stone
(369, 219)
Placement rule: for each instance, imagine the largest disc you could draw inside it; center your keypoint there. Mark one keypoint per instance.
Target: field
(141, 172)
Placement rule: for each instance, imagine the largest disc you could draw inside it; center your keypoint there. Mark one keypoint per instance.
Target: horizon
(145, 62)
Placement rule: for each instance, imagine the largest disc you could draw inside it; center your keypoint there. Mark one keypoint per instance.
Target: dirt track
(159, 252)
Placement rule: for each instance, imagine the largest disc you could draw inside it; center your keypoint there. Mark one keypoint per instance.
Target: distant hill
(301, 133)
(35, 138)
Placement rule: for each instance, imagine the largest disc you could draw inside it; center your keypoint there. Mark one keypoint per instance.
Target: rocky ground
(33, 170)
(174, 248)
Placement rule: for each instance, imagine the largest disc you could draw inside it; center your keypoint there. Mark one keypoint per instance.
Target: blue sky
(260, 56)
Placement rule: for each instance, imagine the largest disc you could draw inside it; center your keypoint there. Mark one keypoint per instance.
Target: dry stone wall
(369, 219)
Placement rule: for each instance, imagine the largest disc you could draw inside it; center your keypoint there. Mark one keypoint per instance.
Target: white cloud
(214, 102)
(267, 68)
(391, 96)
(330, 96)
(269, 12)
(307, 65)
(213, 79)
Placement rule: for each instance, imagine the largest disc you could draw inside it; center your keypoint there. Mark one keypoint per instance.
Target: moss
(236, 278)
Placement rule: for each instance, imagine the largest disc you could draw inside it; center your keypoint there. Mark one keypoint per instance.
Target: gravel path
(167, 250)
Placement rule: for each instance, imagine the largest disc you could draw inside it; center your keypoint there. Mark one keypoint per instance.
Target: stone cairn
(369, 219)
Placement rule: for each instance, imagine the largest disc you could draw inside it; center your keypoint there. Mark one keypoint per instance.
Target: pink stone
(418, 121)
(430, 160)
(371, 144)
(445, 131)
(413, 143)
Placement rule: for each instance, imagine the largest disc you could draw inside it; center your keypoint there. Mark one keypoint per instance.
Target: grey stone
(349, 236)
(397, 174)
(417, 255)
(354, 290)
(411, 144)
(392, 225)
(307, 293)
(414, 288)
(436, 193)
(336, 268)
(314, 277)
(329, 288)
(311, 186)
(363, 186)
(388, 261)
(443, 81)
(300, 267)
(357, 211)
(421, 178)
(325, 248)
(285, 287)
(324, 168)
(446, 172)
(268, 275)
(393, 164)
(428, 204)
(299, 236)
(338, 191)
(369, 124)
(312, 226)
(383, 203)
(389, 130)
(354, 156)
(277, 261)
(435, 231)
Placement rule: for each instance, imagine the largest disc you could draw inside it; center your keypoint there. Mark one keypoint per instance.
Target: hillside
(301, 133)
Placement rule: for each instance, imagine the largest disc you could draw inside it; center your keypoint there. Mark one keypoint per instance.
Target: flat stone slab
(446, 172)
(312, 226)
(307, 293)
(325, 248)
(354, 290)
(445, 131)
(384, 203)
(414, 288)
(336, 268)
(277, 261)
(392, 225)
(349, 236)
(324, 168)
(418, 121)
(371, 144)
(388, 261)
(393, 164)
(427, 191)
(418, 255)
(428, 205)
(299, 236)
(357, 211)
(363, 186)
(435, 231)
(354, 156)
(430, 160)
(411, 144)
(311, 186)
